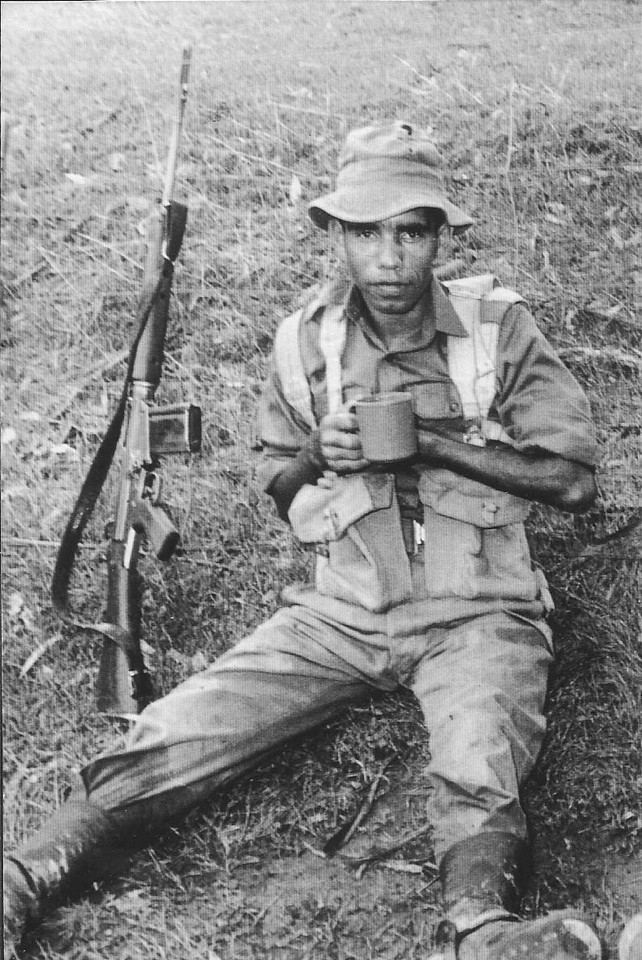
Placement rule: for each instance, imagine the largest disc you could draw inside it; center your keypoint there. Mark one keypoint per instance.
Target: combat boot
(562, 935)
(482, 878)
(75, 846)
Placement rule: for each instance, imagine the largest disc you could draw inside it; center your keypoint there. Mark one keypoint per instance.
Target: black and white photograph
(321, 473)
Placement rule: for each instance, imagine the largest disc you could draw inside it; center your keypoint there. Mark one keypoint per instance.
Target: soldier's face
(391, 261)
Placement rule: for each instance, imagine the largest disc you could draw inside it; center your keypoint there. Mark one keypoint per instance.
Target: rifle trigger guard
(153, 486)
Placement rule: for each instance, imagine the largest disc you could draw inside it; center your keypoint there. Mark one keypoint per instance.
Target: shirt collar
(439, 312)
(446, 319)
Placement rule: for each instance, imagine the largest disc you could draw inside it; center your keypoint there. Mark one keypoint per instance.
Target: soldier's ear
(445, 246)
(335, 237)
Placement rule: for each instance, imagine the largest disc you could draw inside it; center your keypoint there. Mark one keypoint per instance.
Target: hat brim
(369, 205)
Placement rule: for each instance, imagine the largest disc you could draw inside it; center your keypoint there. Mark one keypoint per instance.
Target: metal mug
(387, 426)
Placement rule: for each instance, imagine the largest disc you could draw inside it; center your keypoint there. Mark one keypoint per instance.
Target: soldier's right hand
(340, 442)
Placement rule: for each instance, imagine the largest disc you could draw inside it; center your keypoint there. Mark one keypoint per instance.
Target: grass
(536, 105)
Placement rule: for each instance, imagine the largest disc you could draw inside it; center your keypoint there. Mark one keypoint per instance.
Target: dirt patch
(320, 908)
(359, 903)
(377, 896)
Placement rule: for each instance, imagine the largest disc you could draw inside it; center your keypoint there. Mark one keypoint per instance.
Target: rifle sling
(97, 473)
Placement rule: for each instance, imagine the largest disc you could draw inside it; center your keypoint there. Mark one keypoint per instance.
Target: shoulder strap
(332, 340)
(289, 365)
(480, 304)
(496, 303)
(289, 362)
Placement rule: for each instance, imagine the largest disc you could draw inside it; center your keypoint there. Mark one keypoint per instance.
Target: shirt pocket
(436, 400)
(468, 500)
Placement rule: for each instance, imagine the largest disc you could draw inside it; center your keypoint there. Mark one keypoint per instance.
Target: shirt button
(489, 509)
(454, 406)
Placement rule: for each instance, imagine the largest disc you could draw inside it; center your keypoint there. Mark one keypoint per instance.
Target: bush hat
(384, 170)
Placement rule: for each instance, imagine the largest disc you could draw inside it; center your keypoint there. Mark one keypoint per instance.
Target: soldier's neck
(397, 331)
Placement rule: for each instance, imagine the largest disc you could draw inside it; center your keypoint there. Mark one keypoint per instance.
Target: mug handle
(351, 404)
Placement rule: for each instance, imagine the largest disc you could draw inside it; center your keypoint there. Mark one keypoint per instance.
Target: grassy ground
(536, 104)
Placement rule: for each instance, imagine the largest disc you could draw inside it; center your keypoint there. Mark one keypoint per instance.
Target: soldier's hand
(340, 442)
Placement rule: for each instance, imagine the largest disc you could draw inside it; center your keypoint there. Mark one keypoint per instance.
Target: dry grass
(536, 104)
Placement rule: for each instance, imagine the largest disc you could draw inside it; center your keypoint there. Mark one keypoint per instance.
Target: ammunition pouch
(356, 527)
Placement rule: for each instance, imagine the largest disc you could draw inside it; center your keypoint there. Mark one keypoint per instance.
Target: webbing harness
(480, 303)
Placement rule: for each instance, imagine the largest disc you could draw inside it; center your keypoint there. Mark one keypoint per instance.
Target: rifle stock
(123, 685)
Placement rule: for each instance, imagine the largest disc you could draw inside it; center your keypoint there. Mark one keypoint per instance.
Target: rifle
(144, 433)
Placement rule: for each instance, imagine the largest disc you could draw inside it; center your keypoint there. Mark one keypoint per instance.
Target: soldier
(423, 575)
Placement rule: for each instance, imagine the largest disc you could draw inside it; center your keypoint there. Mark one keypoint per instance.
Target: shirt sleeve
(281, 431)
(539, 402)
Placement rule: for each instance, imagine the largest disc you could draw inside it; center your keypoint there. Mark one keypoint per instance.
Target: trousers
(479, 675)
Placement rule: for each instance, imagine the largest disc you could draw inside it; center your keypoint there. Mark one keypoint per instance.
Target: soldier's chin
(393, 302)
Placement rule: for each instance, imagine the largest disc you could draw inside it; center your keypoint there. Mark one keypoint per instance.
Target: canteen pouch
(356, 528)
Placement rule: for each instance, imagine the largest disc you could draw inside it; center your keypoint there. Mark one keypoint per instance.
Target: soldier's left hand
(340, 442)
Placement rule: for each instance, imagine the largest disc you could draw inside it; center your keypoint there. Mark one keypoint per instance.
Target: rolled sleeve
(281, 431)
(539, 402)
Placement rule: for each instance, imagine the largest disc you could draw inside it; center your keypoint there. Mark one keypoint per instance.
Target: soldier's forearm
(541, 476)
(306, 467)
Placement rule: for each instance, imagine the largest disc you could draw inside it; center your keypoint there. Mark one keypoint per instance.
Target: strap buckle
(419, 534)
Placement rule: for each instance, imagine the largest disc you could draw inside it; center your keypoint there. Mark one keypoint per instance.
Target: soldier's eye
(362, 231)
(412, 233)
